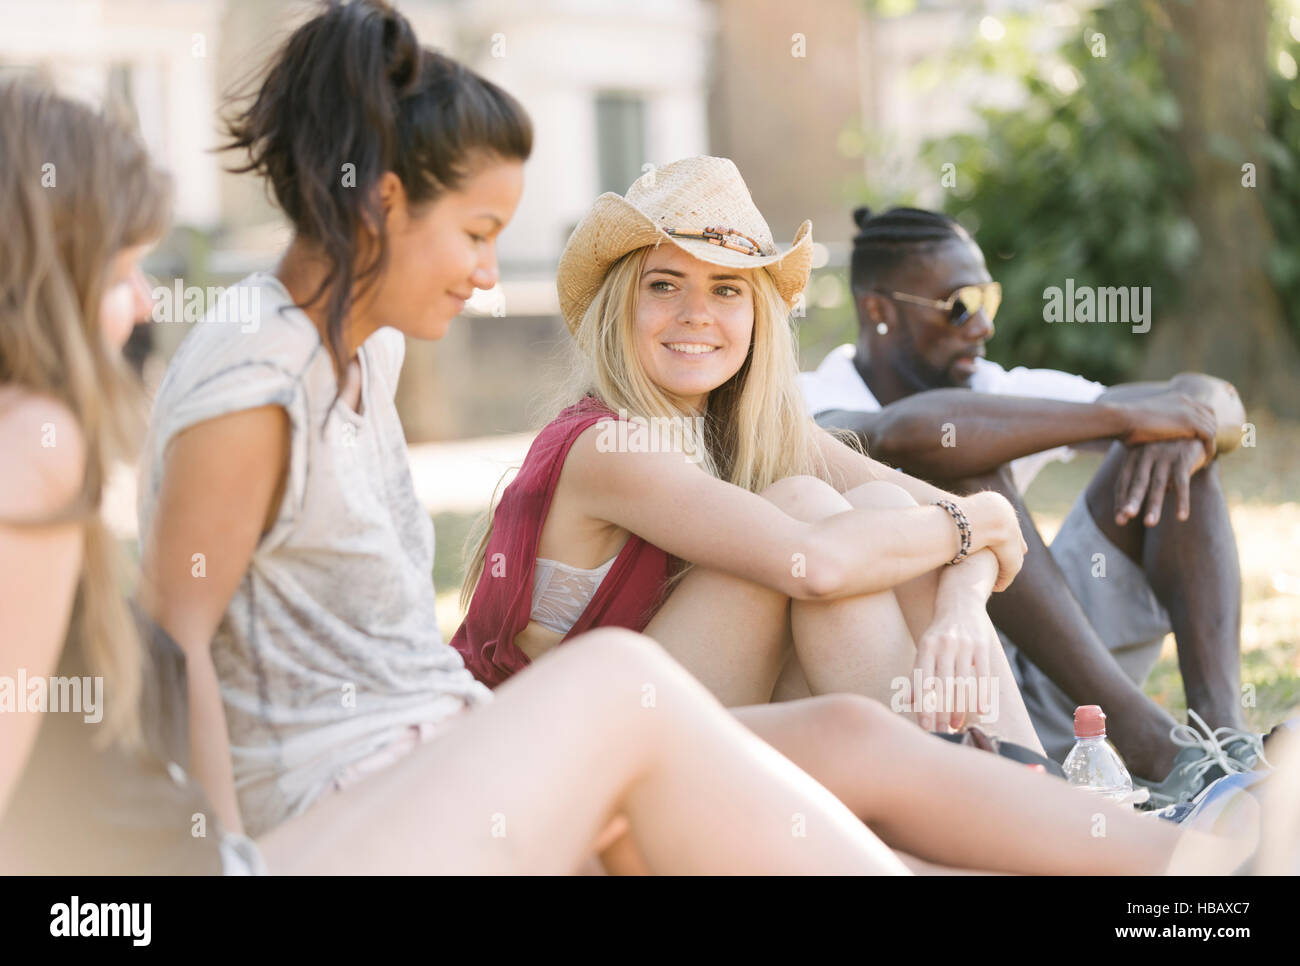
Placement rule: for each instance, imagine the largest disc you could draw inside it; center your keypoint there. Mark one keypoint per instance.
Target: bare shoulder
(574, 532)
(252, 433)
(240, 458)
(590, 444)
(44, 451)
(626, 457)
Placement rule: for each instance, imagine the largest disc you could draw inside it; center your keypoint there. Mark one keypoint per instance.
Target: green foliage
(1078, 184)
(1084, 180)
(1280, 150)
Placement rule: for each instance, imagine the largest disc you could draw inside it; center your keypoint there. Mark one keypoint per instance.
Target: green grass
(1270, 684)
(449, 563)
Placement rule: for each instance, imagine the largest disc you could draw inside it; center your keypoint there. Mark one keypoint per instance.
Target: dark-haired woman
(286, 552)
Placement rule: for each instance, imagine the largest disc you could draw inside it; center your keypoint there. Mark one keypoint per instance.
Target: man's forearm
(949, 433)
(922, 492)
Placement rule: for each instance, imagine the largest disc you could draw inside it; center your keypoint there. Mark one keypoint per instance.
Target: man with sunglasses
(1148, 547)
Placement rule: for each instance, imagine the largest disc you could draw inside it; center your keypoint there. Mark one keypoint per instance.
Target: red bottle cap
(1089, 721)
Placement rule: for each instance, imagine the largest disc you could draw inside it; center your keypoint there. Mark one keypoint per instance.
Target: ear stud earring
(882, 328)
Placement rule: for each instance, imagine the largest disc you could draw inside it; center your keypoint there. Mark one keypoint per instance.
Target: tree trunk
(1230, 324)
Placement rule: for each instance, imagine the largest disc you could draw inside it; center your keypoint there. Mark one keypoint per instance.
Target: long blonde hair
(76, 189)
(756, 427)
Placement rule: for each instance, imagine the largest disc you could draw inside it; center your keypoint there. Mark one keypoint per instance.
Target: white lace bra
(561, 593)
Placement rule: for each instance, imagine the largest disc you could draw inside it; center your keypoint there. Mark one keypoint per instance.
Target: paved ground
(454, 477)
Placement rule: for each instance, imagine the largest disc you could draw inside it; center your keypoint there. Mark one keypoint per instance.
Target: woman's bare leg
(791, 685)
(967, 809)
(605, 725)
(738, 638)
(735, 636)
(731, 634)
(911, 789)
(855, 645)
(866, 645)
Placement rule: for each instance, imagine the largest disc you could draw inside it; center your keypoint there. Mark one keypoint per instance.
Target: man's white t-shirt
(836, 384)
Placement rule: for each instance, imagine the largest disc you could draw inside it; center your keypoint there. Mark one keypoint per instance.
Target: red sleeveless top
(503, 599)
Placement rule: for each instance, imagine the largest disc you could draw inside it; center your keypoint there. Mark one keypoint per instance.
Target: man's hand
(1150, 470)
(1169, 415)
(955, 647)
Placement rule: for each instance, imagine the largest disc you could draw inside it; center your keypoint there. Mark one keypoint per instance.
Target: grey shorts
(1114, 593)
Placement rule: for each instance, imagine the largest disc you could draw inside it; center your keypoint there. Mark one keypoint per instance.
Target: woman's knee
(879, 494)
(624, 674)
(855, 717)
(806, 497)
(616, 648)
(614, 659)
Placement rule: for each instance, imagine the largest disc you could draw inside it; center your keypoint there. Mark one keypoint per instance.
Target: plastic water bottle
(1093, 764)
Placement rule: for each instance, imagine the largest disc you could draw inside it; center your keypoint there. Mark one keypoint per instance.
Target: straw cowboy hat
(699, 204)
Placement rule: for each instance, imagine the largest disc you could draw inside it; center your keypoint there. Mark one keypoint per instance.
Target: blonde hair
(77, 189)
(756, 428)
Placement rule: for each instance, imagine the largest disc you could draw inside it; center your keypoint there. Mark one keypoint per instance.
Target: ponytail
(350, 96)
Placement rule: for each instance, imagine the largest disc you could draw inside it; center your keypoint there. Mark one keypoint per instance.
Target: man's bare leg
(1193, 569)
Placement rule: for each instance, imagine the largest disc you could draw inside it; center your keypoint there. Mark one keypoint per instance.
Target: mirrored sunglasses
(963, 303)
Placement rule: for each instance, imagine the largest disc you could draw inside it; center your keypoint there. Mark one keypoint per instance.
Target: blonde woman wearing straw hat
(815, 569)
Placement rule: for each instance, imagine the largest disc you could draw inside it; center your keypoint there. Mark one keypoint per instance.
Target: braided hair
(885, 241)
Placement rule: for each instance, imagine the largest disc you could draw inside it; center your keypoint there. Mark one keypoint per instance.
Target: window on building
(620, 139)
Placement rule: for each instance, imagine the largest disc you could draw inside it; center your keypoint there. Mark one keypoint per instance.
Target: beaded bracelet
(963, 528)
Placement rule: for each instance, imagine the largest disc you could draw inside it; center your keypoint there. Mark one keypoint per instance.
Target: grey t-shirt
(330, 646)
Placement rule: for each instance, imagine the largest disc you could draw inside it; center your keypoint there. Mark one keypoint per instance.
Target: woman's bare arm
(39, 566)
(222, 484)
(969, 580)
(673, 504)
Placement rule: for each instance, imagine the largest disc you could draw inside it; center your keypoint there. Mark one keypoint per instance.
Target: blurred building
(612, 86)
(818, 102)
(825, 105)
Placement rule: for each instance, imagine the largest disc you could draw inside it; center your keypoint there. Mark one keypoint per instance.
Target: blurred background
(1136, 143)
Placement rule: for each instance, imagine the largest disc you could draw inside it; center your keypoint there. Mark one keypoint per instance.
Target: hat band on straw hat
(713, 218)
(726, 237)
